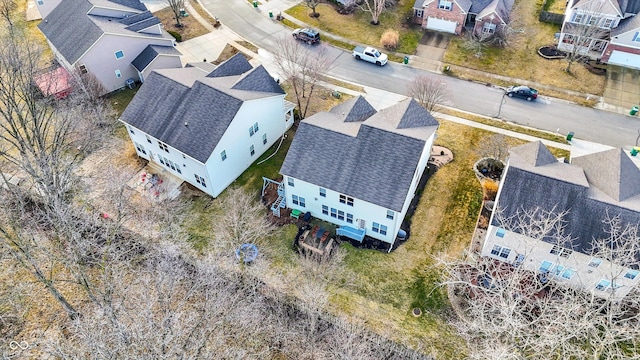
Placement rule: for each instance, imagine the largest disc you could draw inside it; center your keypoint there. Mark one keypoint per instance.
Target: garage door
(441, 25)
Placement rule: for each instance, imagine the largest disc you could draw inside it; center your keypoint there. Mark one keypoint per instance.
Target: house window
(603, 285)
(636, 37)
(500, 232)
(118, 74)
(252, 150)
(545, 266)
(594, 262)
(251, 131)
(350, 218)
(83, 69)
(290, 181)
(558, 269)
(568, 274)
(223, 155)
(119, 54)
(607, 23)
(340, 215)
(323, 192)
(375, 227)
(500, 251)
(418, 13)
(489, 28)
(325, 210)
(200, 180)
(163, 146)
(148, 139)
(344, 199)
(562, 252)
(593, 20)
(631, 274)
(383, 230)
(140, 148)
(445, 5)
(519, 260)
(334, 213)
(578, 18)
(40, 2)
(568, 39)
(297, 200)
(255, 127)
(264, 138)
(390, 214)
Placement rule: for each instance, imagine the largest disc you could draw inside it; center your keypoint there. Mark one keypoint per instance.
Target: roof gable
(611, 171)
(235, 65)
(354, 110)
(150, 53)
(534, 153)
(410, 114)
(258, 79)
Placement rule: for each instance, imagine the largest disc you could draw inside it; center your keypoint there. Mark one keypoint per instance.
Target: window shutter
(635, 36)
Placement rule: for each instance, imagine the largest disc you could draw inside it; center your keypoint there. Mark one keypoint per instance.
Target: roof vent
(186, 123)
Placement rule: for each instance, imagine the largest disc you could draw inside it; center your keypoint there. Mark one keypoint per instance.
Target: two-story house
(359, 168)
(590, 190)
(106, 38)
(208, 127)
(451, 16)
(590, 24)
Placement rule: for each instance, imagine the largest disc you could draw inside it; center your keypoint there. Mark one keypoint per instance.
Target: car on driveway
(521, 91)
(307, 35)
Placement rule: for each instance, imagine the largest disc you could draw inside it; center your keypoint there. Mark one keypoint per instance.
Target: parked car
(307, 35)
(370, 54)
(524, 92)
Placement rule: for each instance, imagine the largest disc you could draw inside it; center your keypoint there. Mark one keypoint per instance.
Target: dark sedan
(524, 92)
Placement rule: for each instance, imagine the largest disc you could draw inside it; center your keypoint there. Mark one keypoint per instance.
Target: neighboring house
(589, 25)
(451, 16)
(208, 127)
(358, 168)
(624, 47)
(46, 6)
(106, 37)
(592, 187)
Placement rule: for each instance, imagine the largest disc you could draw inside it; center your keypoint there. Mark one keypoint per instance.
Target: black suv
(307, 35)
(524, 92)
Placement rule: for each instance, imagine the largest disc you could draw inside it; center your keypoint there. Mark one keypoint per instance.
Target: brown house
(451, 16)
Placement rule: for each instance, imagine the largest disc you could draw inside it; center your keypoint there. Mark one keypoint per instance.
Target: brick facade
(609, 50)
(455, 14)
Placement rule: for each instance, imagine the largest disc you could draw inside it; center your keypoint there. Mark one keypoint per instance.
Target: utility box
(131, 84)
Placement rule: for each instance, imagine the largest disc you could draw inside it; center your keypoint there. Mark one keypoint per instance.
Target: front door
(362, 224)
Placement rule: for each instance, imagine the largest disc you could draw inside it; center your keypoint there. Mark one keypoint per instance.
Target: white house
(589, 25)
(106, 37)
(590, 189)
(358, 168)
(208, 127)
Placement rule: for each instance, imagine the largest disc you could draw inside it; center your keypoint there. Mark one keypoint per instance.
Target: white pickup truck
(370, 54)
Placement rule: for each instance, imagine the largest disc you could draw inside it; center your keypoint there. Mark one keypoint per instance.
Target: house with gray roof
(359, 168)
(486, 16)
(589, 191)
(604, 30)
(116, 41)
(208, 127)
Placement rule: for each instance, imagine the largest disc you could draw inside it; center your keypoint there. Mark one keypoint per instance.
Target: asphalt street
(546, 113)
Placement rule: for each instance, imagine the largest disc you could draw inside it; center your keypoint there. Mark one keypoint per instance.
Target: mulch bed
(551, 52)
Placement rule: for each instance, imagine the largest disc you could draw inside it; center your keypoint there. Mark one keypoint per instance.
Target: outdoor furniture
(295, 213)
(324, 236)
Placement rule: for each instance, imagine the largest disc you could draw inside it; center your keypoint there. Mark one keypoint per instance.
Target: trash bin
(635, 150)
(271, 14)
(634, 110)
(570, 136)
(406, 59)
(255, 4)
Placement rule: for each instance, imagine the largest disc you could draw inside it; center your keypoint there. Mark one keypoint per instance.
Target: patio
(156, 184)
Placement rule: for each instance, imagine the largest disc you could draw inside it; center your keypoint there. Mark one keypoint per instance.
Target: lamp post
(502, 102)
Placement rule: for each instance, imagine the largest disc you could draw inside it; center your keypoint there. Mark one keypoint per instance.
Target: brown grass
(520, 59)
(191, 27)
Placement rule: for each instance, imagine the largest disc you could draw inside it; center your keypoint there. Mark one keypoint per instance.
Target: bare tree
(303, 68)
(6, 10)
(375, 8)
(507, 311)
(312, 4)
(477, 43)
(586, 32)
(176, 7)
(430, 92)
(495, 146)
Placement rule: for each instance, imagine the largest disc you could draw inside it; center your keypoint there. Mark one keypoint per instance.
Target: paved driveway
(433, 44)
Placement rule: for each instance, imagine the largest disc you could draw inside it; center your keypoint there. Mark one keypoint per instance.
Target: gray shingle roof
(478, 5)
(500, 7)
(73, 32)
(611, 171)
(625, 25)
(150, 53)
(186, 110)
(235, 65)
(376, 165)
(526, 189)
(535, 153)
(259, 80)
(353, 110)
